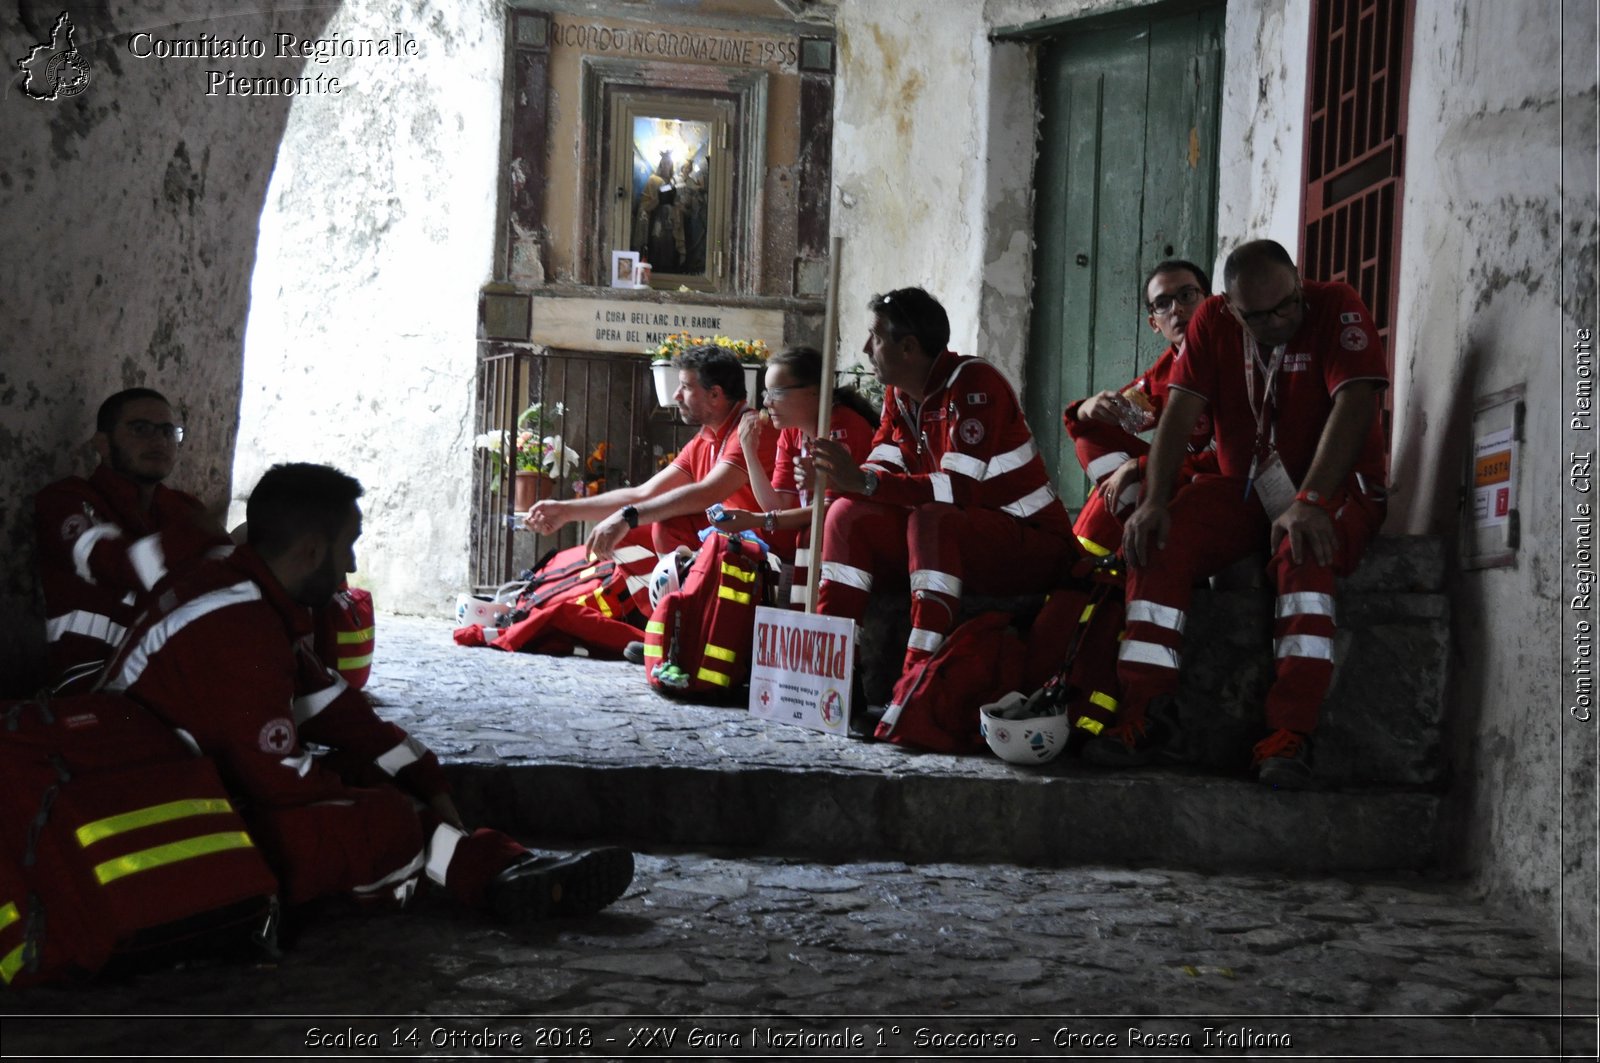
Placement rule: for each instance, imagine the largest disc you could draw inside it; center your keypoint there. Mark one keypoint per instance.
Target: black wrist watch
(631, 515)
(870, 485)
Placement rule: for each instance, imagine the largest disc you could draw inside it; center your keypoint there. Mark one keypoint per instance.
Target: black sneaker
(864, 721)
(633, 652)
(1283, 760)
(1156, 739)
(538, 887)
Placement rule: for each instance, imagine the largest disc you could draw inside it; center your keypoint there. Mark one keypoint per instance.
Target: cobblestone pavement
(728, 954)
(724, 944)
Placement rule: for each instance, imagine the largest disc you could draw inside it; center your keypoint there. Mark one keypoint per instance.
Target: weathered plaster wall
(910, 143)
(377, 234)
(953, 209)
(1481, 309)
(1263, 112)
(128, 222)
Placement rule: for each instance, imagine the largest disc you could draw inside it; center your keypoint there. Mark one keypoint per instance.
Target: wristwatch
(769, 523)
(870, 485)
(1318, 499)
(631, 515)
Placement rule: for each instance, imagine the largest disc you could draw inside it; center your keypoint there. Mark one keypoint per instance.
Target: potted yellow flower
(752, 354)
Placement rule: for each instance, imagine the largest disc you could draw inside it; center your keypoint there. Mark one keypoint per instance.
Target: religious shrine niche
(702, 143)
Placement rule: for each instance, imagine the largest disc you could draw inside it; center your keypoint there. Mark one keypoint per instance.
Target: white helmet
(667, 576)
(488, 609)
(1021, 738)
(480, 609)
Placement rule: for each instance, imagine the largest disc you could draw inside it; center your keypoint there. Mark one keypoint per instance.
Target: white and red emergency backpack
(699, 637)
(574, 603)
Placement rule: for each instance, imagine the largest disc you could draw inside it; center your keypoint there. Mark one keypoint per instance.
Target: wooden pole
(830, 357)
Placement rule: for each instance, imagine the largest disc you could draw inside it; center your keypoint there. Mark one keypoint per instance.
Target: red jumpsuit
(1103, 449)
(845, 426)
(98, 554)
(709, 448)
(224, 655)
(1214, 524)
(962, 500)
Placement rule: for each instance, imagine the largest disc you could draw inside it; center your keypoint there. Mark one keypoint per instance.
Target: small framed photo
(641, 275)
(624, 269)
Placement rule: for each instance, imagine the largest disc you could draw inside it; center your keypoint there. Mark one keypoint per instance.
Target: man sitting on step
(105, 541)
(222, 654)
(711, 468)
(953, 495)
(1290, 371)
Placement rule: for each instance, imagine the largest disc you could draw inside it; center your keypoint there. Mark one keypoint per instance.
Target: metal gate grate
(607, 399)
(1360, 69)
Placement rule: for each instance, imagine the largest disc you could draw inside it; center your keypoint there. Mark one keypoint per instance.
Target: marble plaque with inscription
(637, 327)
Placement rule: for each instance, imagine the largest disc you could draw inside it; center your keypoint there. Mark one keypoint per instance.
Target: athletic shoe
(537, 887)
(1283, 760)
(633, 652)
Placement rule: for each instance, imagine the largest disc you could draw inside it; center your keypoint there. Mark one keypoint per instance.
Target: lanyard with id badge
(1268, 478)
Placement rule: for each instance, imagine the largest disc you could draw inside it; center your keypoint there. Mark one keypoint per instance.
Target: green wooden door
(1126, 177)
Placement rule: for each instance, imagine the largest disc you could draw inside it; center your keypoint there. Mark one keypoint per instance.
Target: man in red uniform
(1290, 371)
(104, 542)
(953, 491)
(1102, 426)
(223, 654)
(710, 468)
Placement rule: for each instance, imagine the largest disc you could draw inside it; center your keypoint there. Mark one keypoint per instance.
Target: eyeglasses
(774, 394)
(1164, 303)
(152, 430)
(1252, 318)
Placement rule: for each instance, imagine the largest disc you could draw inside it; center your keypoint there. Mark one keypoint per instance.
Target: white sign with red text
(801, 669)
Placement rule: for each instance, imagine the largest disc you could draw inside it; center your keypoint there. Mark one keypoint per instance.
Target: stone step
(585, 750)
(1383, 720)
(1028, 817)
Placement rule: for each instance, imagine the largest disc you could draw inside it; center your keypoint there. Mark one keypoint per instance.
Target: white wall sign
(802, 668)
(1491, 535)
(1494, 478)
(634, 326)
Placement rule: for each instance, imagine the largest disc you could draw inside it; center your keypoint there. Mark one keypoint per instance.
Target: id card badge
(1273, 486)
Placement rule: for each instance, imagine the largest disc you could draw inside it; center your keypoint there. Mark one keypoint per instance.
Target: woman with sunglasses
(792, 397)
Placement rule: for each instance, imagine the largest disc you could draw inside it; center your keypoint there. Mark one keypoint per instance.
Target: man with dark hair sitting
(710, 468)
(953, 495)
(105, 541)
(222, 655)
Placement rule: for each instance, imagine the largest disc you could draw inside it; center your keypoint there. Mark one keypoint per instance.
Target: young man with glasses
(1103, 427)
(105, 541)
(1290, 372)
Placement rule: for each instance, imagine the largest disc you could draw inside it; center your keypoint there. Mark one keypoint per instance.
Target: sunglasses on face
(151, 430)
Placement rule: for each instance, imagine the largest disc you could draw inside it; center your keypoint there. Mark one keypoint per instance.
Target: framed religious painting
(677, 155)
(676, 175)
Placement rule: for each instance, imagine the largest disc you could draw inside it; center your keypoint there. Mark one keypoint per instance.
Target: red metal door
(1359, 73)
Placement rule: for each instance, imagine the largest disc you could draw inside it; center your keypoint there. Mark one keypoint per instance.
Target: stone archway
(378, 232)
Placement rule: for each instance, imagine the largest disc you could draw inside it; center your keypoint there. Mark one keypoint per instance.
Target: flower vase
(530, 486)
(752, 379)
(665, 375)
